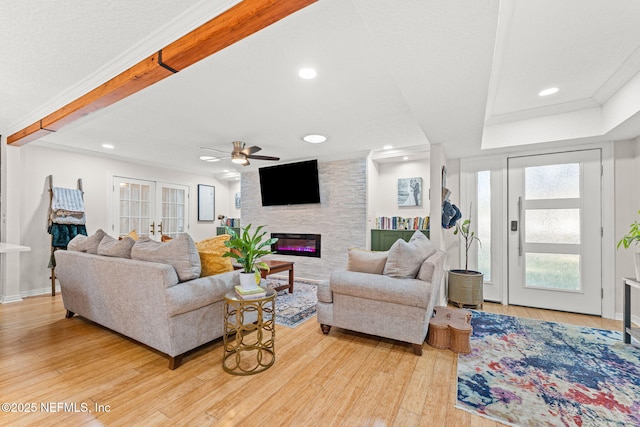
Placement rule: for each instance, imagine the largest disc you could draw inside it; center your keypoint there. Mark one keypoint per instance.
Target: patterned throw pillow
(211, 251)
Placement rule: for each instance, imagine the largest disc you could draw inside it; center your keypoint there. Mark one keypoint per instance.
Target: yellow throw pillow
(133, 235)
(211, 251)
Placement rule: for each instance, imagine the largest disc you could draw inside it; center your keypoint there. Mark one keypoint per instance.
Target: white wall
(384, 192)
(37, 163)
(627, 204)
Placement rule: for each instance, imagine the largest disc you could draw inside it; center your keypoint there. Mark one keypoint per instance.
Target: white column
(10, 223)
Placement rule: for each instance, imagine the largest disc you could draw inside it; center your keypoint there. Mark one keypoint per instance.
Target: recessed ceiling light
(548, 91)
(315, 139)
(405, 158)
(307, 73)
(387, 147)
(109, 146)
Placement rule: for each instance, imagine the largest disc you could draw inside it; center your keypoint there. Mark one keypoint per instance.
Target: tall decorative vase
(636, 262)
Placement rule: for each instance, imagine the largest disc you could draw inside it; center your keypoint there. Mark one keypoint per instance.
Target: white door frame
(609, 279)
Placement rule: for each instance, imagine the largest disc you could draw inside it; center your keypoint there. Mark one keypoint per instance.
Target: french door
(555, 231)
(150, 208)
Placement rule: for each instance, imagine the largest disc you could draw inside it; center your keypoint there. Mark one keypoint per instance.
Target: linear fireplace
(297, 244)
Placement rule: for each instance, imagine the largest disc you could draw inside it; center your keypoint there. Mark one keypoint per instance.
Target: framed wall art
(206, 202)
(410, 191)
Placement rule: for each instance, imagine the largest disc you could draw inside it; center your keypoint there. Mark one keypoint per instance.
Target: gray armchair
(389, 294)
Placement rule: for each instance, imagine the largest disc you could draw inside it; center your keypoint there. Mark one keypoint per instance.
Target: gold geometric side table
(249, 346)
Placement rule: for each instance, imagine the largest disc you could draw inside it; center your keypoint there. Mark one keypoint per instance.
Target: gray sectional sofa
(166, 306)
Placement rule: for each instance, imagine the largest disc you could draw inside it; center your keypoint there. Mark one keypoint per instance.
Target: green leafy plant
(464, 229)
(632, 237)
(247, 248)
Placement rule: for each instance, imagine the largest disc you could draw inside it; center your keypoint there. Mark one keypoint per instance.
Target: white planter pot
(636, 262)
(248, 280)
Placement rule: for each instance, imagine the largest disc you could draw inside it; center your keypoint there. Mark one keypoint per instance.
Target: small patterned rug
(292, 310)
(525, 372)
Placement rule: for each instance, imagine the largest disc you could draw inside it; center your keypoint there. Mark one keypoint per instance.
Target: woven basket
(465, 287)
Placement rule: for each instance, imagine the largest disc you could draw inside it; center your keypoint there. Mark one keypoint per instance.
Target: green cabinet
(381, 240)
(223, 230)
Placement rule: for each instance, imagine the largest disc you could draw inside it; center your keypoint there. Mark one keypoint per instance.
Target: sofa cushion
(406, 258)
(211, 251)
(364, 261)
(88, 244)
(180, 252)
(110, 246)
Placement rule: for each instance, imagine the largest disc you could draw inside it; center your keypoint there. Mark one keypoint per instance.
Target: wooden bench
(450, 328)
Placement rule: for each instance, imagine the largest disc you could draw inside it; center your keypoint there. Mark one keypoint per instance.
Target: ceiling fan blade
(250, 150)
(263, 157)
(213, 149)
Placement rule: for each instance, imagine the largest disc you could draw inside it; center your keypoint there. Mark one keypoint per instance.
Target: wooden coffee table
(276, 266)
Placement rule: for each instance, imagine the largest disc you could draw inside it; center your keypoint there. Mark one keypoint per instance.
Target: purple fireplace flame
(297, 244)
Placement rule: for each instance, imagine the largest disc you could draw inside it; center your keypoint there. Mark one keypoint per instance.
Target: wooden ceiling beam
(231, 26)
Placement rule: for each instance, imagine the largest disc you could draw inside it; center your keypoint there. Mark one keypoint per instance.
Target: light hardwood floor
(343, 378)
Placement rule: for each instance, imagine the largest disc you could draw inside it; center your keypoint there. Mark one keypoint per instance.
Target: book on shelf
(233, 222)
(402, 223)
(258, 292)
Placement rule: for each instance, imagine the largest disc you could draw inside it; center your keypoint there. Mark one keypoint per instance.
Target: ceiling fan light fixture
(239, 159)
(314, 138)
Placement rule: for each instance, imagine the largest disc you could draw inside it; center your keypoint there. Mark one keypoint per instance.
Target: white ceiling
(464, 74)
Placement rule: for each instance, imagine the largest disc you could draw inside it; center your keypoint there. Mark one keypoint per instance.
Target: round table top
(232, 296)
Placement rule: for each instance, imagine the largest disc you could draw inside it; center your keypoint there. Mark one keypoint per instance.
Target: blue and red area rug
(526, 372)
(293, 309)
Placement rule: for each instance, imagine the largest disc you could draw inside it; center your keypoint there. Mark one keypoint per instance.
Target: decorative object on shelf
(633, 237)
(450, 212)
(222, 220)
(410, 191)
(465, 286)
(246, 249)
(206, 202)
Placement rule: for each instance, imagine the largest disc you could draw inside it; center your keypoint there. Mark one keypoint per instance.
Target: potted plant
(633, 237)
(246, 249)
(465, 286)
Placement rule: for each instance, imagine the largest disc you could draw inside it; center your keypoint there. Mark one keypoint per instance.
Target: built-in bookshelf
(402, 223)
(233, 222)
(382, 240)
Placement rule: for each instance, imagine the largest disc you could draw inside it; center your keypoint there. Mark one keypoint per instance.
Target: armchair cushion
(365, 261)
(411, 292)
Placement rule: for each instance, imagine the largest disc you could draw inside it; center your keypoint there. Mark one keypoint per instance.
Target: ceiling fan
(241, 155)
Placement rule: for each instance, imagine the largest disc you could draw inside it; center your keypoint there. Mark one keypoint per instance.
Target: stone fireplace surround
(340, 217)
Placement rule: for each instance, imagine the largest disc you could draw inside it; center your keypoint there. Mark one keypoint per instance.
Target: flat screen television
(290, 184)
